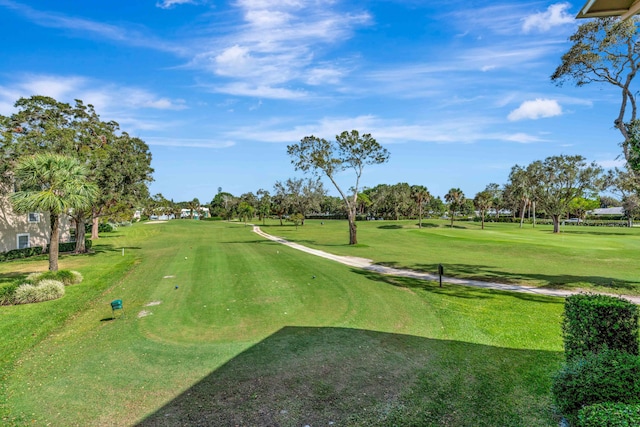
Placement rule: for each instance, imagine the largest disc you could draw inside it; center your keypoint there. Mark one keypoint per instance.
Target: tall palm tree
(420, 195)
(55, 184)
(455, 198)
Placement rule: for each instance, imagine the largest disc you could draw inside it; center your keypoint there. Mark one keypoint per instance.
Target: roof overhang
(625, 9)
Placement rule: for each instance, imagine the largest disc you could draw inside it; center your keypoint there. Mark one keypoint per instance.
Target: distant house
(18, 231)
(618, 211)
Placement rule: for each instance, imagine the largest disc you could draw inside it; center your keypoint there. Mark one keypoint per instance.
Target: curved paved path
(367, 264)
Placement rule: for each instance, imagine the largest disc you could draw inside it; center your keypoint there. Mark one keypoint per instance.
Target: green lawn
(592, 258)
(260, 334)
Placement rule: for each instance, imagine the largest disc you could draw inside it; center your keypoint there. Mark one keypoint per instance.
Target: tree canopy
(55, 184)
(350, 150)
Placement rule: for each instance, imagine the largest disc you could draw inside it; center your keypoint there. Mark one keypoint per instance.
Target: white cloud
(539, 108)
(188, 142)
(385, 131)
(610, 164)
(166, 4)
(555, 15)
(276, 50)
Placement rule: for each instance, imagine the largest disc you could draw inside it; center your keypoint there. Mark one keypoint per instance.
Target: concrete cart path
(367, 264)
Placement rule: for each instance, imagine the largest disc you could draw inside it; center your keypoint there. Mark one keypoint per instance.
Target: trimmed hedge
(609, 415)
(608, 376)
(20, 253)
(592, 323)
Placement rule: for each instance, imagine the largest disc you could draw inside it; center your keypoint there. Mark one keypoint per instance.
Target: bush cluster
(610, 415)
(45, 290)
(607, 376)
(38, 287)
(602, 370)
(592, 323)
(6, 293)
(103, 227)
(20, 253)
(67, 277)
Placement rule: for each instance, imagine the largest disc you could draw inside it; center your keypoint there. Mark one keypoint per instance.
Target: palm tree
(421, 195)
(483, 202)
(55, 184)
(455, 198)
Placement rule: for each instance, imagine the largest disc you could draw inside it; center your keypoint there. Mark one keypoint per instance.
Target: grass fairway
(260, 334)
(600, 259)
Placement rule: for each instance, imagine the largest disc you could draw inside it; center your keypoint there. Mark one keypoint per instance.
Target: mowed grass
(238, 330)
(600, 259)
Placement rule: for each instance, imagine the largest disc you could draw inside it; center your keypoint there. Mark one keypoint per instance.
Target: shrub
(592, 323)
(33, 277)
(103, 227)
(7, 292)
(20, 253)
(67, 277)
(610, 415)
(44, 291)
(608, 376)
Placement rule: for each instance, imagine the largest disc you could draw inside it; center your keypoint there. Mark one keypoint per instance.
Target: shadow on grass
(390, 227)
(324, 376)
(451, 290)
(489, 273)
(102, 248)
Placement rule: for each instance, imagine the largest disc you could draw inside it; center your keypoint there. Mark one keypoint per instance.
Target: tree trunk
(353, 228)
(482, 214)
(80, 232)
(534, 214)
(94, 227)
(54, 241)
(524, 208)
(420, 216)
(556, 223)
(451, 219)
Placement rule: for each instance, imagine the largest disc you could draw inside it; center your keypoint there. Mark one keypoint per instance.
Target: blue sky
(457, 91)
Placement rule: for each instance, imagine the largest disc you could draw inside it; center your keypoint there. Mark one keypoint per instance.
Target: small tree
(420, 195)
(349, 151)
(483, 202)
(455, 199)
(560, 180)
(54, 184)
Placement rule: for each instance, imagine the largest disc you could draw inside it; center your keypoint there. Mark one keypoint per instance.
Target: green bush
(20, 253)
(609, 415)
(44, 291)
(67, 277)
(7, 292)
(592, 323)
(103, 227)
(608, 376)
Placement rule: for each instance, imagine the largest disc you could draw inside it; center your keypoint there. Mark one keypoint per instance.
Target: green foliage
(103, 227)
(213, 218)
(608, 376)
(20, 253)
(7, 292)
(609, 414)
(593, 323)
(67, 277)
(45, 290)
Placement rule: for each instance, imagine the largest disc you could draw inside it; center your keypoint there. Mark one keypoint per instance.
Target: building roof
(622, 8)
(608, 211)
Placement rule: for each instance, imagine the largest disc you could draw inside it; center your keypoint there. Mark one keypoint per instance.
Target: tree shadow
(453, 290)
(486, 273)
(338, 376)
(106, 247)
(390, 227)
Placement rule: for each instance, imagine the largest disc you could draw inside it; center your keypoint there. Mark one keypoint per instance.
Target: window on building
(23, 241)
(34, 217)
